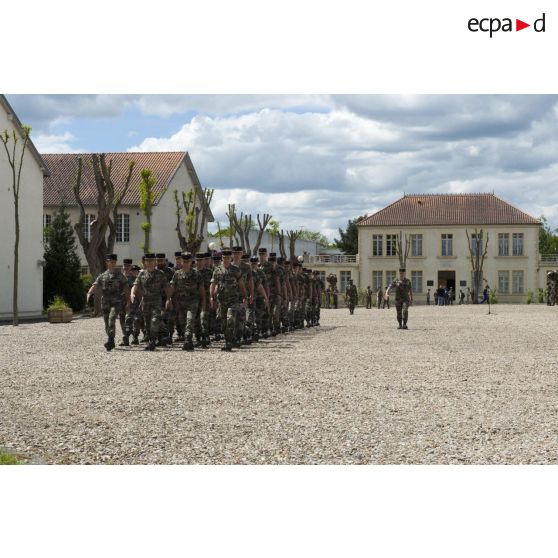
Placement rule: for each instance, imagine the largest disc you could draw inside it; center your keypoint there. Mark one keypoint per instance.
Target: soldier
(284, 289)
(167, 318)
(428, 298)
(131, 321)
(403, 298)
(188, 294)
(260, 302)
(240, 260)
(379, 297)
(551, 293)
(351, 295)
(177, 261)
(368, 298)
(127, 272)
(153, 286)
(226, 280)
(116, 294)
(273, 288)
(207, 315)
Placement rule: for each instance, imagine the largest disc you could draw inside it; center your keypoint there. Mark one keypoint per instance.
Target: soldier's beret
(111, 257)
(272, 254)
(207, 254)
(170, 264)
(402, 269)
(254, 259)
(127, 261)
(216, 257)
(178, 254)
(227, 252)
(161, 256)
(280, 259)
(245, 257)
(149, 257)
(237, 249)
(186, 256)
(200, 255)
(262, 251)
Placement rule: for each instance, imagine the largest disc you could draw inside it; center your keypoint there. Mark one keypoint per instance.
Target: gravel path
(458, 387)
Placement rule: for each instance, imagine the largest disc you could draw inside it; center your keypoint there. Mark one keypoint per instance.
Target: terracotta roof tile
(449, 209)
(63, 167)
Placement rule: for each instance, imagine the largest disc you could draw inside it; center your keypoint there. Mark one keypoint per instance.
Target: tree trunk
(147, 235)
(16, 265)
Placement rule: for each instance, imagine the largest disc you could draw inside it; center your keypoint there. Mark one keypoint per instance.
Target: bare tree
(262, 224)
(16, 166)
(403, 246)
(108, 201)
(242, 225)
(477, 255)
(293, 237)
(196, 210)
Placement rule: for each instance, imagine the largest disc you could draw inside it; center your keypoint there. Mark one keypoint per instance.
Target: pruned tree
(242, 225)
(273, 231)
(108, 201)
(282, 251)
(16, 165)
(262, 224)
(403, 246)
(196, 211)
(147, 198)
(293, 237)
(477, 252)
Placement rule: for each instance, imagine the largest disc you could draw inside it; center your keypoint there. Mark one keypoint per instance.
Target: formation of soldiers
(206, 297)
(552, 288)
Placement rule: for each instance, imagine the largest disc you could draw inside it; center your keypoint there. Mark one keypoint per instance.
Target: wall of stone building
(30, 299)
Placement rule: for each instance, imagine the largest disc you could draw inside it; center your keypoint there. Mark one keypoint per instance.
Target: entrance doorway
(446, 279)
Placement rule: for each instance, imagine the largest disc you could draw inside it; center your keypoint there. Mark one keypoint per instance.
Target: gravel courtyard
(459, 386)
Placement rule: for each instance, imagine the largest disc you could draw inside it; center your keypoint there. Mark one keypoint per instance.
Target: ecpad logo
(493, 25)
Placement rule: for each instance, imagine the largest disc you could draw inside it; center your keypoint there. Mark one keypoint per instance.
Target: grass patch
(8, 459)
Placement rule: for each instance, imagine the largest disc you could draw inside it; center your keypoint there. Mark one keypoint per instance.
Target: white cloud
(55, 143)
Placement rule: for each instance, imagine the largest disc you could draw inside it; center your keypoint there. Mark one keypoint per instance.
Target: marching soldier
(239, 260)
(167, 318)
(368, 298)
(403, 298)
(260, 302)
(272, 290)
(226, 280)
(116, 295)
(153, 286)
(188, 295)
(351, 295)
(127, 272)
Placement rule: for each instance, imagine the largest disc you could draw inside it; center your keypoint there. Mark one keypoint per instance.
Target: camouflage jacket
(403, 290)
(152, 284)
(186, 285)
(352, 293)
(131, 280)
(227, 280)
(113, 286)
(246, 271)
(259, 279)
(270, 276)
(207, 274)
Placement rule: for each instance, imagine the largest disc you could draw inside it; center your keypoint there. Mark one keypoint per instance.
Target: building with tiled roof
(30, 283)
(436, 228)
(172, 170)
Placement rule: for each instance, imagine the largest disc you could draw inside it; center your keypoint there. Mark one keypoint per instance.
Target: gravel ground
(459, 386)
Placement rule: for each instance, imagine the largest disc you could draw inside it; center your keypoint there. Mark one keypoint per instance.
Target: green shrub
(541, 296)
(58, 303)
(529, 297)
(8, 459)
(494, 296)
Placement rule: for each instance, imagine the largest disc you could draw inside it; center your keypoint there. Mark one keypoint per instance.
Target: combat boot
(109, 345)
(227, 347)
(217, 337)
(150, 346)
(255, 338)
(135, 340)
(405, 325)
(400, 326)
(204, 343)
(180, 338)
(144, 339)
(125, 341)
(188, 346)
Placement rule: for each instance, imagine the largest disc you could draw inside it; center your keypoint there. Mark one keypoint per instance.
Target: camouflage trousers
(251, 319)
(111, 309)
(186, 312)
(260, 315)
(152, 317)
(167, 322)
(274, 320)
(402, 308)
(240, 325)
(351, 303)
(132, 321)
(227, 313)
(284, 312)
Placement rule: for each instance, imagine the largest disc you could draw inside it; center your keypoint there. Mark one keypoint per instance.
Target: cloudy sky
(318, 160)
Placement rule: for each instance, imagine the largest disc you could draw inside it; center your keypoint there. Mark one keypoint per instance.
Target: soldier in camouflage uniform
(115, 296)
(127, 272)
(403, 298)
(351, 295)
(207, 315)
(319, 286)
(241, 333)
(261, 302)
(179, 324)
(551, 284)
(290, 315)
(283, 298)
(131, 321)
(153, 286)
(188, 295)
(271, 320)
(225, 283)
(166, 329)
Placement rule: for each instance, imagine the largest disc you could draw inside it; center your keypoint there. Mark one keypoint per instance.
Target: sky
(316, 161)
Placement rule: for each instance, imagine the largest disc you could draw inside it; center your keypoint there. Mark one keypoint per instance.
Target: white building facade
(30, 284)
(172, 170)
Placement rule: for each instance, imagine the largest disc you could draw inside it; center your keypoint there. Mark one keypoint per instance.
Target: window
(503, 244)
(416, 281)
(344, 277)
(87, 226)
(377, 280)
(504, 282)
(447, 245)
(47, 221)
(416, 245)
(517, 244)
(390, 277)
(476, 242)
(517, 282)
(377, 244)
(122, 227)
(391, 245)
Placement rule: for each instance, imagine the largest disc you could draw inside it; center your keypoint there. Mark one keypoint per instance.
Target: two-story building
(172, 171)
(436, 228)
